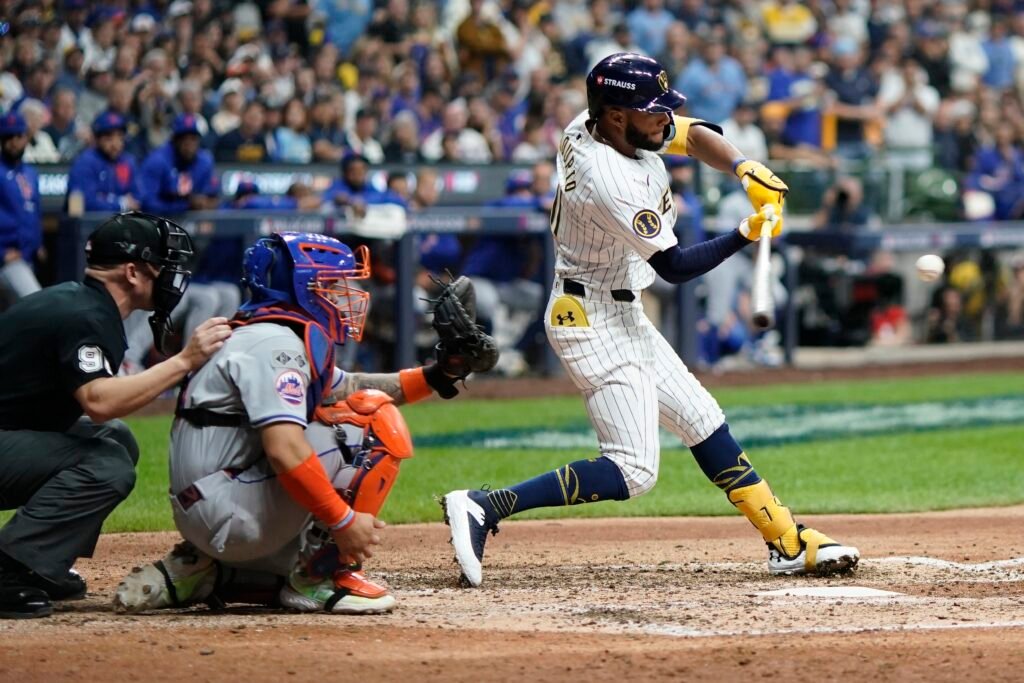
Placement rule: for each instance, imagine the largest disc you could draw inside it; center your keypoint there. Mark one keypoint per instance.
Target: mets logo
(646, 223)
(663, 81)
(291, 388)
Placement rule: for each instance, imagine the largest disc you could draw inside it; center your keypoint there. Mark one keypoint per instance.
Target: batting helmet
(309, 272)
(631, 81)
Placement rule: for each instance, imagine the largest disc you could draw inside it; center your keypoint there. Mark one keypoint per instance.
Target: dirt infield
(613, 599)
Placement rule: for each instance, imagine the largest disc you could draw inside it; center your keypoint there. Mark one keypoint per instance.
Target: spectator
(620, 40)
(967, 58)
(910, 105)
(648, 23)
(714, 84)
(1002, 65)
(534, 145)
(248, 197)
(676, 54)
(855, 92)
(742, 130)
(848, 22)
(932, 53)
(363, 137)
(190, 102)
(39, 81)
(788, 22)
(326, 132)
(946, 323)
(482, 49)
(404, 145)
(104, 175)
(345, 21)
(842, 207)
(246, 144)
(63, 129)
(291, 140)
(40, 149)
(469, 146)
(229, 112)
(179, 176)
(21, 234)
(353, 189)
(998, 169)
(782, 146)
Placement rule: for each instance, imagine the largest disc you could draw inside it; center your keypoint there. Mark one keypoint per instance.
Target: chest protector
(385, 442)
(319, 349)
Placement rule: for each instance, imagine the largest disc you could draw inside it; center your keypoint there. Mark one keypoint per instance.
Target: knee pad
(381, 441)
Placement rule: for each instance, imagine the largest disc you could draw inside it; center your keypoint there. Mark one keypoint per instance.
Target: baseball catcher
(279, 461)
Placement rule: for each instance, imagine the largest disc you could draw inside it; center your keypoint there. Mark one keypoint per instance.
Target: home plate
(829, 592)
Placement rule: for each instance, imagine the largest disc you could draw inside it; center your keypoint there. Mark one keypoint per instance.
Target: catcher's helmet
(310, 273)
(631, 81)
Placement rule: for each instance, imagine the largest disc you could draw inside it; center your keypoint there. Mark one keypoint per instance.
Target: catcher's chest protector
(319, 350)
(385, 443)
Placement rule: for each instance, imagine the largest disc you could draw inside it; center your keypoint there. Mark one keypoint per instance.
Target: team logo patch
(291, 388)
(646, 223)
(663, 81)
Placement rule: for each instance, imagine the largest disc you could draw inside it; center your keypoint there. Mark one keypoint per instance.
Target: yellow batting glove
(762, 186)
(770, 217)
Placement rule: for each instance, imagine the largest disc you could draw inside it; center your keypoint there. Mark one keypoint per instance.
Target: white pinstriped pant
(632, 380)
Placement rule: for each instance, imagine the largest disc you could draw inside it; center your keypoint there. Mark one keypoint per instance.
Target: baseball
(930, 267)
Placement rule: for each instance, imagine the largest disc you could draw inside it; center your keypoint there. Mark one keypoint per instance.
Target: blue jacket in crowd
(167, 184)
(20, 212)
(103, 182)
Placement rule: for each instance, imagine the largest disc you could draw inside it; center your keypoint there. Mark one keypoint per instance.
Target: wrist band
(414, 384)
(345, 521)
(736, 164)
(308, 485)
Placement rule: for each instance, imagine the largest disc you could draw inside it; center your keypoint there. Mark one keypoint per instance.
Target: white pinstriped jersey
(611, 213)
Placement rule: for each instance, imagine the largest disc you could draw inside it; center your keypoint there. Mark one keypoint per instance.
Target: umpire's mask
(137, 236)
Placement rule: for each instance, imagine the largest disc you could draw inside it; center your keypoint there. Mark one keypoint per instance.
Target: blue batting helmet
(309, 273)
(631, 81)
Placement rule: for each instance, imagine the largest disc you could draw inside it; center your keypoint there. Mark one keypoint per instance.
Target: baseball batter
(279, 461)
(612, 222)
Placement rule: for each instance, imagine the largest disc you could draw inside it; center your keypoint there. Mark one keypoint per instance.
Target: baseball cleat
(322, 583)
(470, 516)
(19, 599)
(819, 555)
(70, 587)
(183, 577)
(347, 592)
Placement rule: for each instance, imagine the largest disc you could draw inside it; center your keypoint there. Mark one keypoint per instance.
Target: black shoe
(71, 587)
(20, 600)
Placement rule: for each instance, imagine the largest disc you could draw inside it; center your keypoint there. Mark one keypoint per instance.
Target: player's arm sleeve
(84, 352)
(629, 218)
(152, 184)
(682, 124)
(272, 388)
(678, 264)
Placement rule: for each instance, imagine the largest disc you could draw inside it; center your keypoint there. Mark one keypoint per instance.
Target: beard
(11, 156)
(639, 140)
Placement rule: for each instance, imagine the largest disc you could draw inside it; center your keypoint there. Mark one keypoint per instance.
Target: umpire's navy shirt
(51, 343)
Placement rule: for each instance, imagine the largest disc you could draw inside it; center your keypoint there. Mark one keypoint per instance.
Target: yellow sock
(768, 515)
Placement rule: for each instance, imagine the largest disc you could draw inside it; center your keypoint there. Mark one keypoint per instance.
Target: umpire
(60, 350)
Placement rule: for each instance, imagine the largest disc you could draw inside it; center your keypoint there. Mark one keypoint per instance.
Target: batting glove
(763, 187)
(752, 225)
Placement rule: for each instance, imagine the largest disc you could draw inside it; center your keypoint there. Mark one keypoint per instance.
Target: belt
(577, 289)
(201, 417)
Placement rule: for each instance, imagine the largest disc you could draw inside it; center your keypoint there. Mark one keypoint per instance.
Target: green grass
(928, 470)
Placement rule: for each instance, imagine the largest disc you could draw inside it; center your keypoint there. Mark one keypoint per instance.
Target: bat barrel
(761, 294)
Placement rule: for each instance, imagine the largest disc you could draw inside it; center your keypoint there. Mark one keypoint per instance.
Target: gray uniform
(242, 515)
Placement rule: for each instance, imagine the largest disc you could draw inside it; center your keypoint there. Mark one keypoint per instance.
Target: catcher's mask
(311, 273)
(137, 236)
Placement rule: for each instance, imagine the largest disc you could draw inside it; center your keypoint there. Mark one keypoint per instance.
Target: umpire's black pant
(64, 485)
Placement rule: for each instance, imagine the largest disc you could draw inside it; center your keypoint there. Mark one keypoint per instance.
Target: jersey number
(90, 359)
(555, 217)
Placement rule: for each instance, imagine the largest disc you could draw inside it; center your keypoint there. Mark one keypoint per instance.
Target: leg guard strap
(763, 509)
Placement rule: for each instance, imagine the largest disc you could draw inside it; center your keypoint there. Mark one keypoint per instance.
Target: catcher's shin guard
(385, 442)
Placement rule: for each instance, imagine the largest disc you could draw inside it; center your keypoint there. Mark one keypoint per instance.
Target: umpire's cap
(631, 81)
(137, 236)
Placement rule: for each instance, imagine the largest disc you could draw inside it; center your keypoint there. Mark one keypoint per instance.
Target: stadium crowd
(145, 98)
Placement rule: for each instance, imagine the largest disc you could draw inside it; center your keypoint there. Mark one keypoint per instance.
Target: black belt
(577, 289)
(200, 417)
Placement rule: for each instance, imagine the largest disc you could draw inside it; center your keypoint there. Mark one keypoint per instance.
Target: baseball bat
(761, 292)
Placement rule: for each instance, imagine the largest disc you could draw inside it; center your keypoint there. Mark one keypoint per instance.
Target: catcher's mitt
(462, 347)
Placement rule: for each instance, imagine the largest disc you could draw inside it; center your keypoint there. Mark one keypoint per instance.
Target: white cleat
(465, 512)
(819, 555)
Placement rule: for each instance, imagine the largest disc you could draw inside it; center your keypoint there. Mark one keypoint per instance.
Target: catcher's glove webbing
(462, 346)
